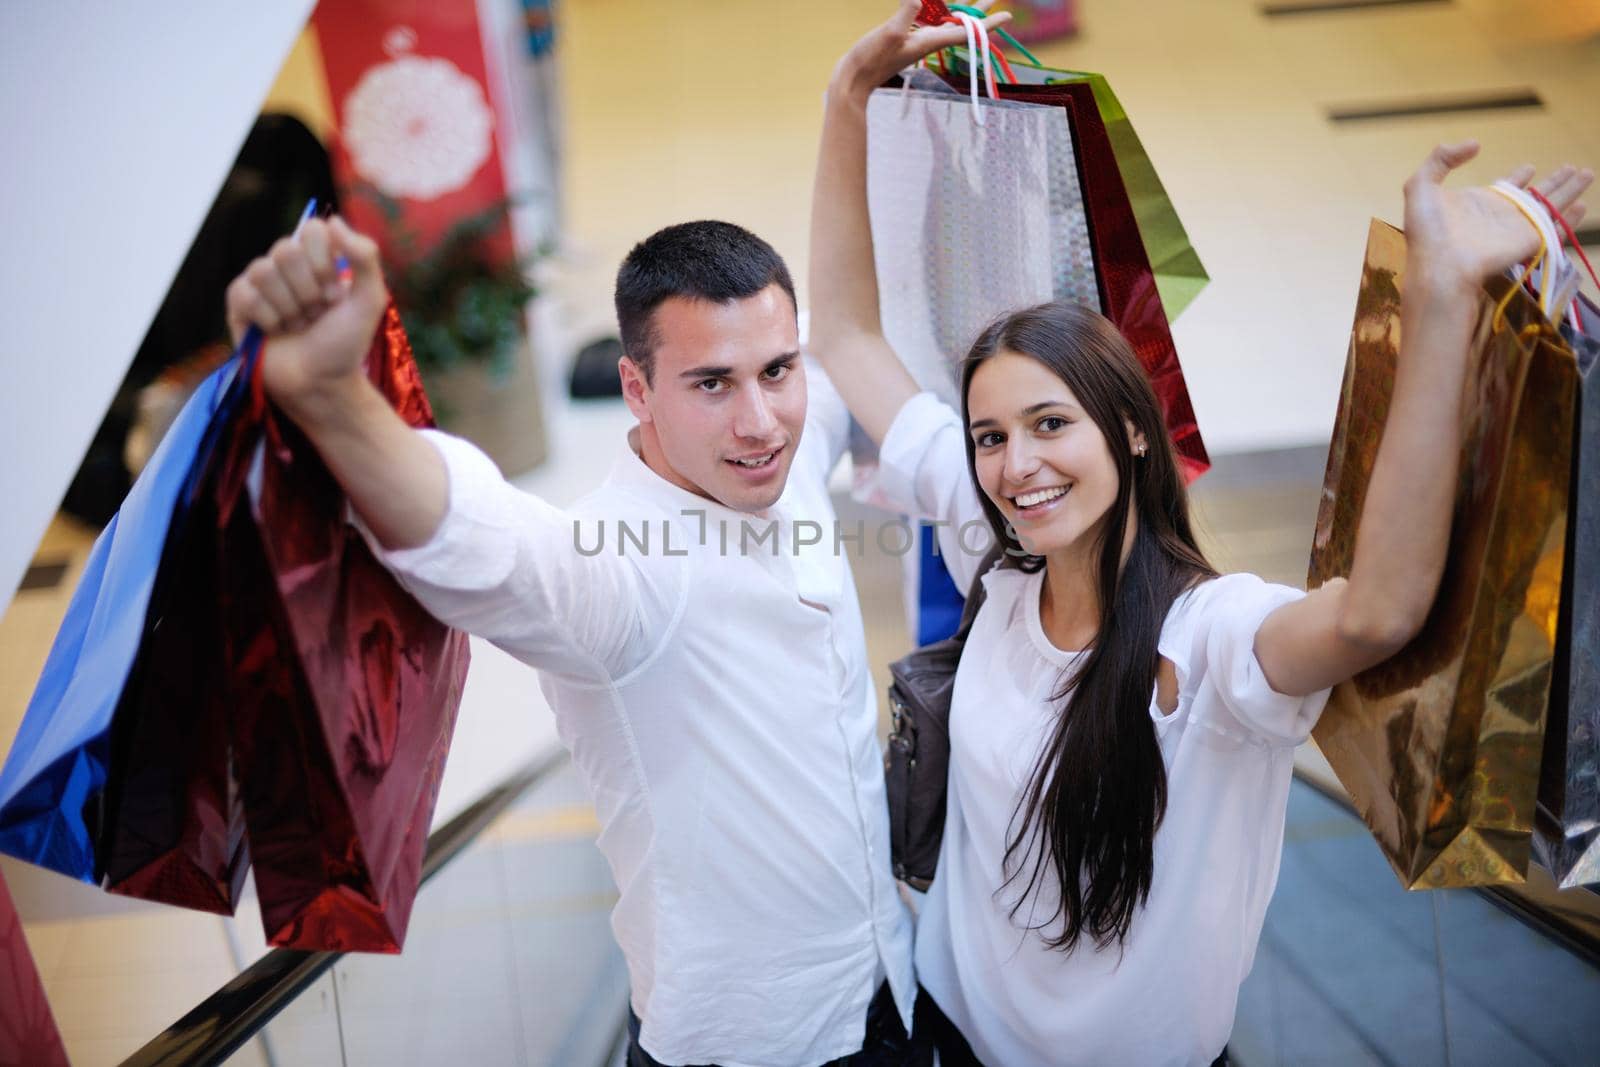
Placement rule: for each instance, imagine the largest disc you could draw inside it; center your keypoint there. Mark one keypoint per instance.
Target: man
(694, 622)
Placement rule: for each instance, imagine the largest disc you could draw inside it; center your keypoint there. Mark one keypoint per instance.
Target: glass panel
(509, 958)
(572, 976)
(451, 997)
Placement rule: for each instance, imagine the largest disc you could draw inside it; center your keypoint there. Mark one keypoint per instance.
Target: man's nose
(753, 414)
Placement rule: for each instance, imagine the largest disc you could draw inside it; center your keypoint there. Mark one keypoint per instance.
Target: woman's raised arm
(846, 335)
(1455, 239)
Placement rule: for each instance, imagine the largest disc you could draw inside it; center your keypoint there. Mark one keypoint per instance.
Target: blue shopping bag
(55, 773)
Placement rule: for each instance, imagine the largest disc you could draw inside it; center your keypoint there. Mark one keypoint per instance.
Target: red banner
(417, 119)
(1042, 20)
(1031, 20)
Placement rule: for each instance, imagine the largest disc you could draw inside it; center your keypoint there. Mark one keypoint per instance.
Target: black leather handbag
(916, 761)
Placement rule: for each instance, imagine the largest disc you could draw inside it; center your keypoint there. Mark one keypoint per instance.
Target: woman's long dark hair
(1098, 790)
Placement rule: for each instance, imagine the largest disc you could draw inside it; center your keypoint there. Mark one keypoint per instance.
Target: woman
(1124, 719)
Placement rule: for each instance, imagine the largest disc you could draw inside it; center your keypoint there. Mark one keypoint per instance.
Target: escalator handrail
(219, 1025)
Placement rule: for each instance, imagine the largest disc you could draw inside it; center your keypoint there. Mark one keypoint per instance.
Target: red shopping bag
(346, 689)
(28, 1034)
(1128, 293)
(173, 825)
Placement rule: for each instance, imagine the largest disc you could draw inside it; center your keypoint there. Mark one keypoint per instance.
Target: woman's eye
(1052, 423)
(989, 440)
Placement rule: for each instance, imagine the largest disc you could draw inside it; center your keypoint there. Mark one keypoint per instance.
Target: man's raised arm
(318, 328)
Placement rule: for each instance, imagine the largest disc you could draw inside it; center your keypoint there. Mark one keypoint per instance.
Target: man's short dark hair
(714, 261)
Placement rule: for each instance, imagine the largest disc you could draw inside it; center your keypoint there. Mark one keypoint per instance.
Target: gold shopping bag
(1440, 746)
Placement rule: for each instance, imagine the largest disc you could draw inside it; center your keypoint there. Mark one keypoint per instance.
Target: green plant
(459, 304)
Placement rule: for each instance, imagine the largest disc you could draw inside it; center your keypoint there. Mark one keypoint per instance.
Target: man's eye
(710, 385)
(778, 373)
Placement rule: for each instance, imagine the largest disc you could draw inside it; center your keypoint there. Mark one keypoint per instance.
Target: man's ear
(635, 390)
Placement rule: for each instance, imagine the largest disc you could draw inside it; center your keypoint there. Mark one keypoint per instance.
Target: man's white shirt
(707, 669)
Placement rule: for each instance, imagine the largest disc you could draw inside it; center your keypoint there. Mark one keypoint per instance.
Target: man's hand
(319, 328)
(1457, 238)
(897, 44)
(320, 325)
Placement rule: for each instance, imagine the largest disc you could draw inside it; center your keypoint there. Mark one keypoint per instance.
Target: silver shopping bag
(976, 211)
(1567, 824)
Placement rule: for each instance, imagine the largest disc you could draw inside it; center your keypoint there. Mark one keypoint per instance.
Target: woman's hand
(897, 44)
(1456, 238)
(846, 324)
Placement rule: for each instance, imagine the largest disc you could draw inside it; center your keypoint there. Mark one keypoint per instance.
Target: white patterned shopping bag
(976, 211)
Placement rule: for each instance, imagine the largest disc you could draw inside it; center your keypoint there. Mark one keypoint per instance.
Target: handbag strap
(975, 596)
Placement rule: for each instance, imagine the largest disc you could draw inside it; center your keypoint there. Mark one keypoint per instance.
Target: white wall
(118, 124)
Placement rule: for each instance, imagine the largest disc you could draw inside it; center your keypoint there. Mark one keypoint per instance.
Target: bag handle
(1005, 35)
(1572, 237)
(977, 34)
(975, 595)
(979, 48)
(937, 13)
(1543, 274)
(247, 389)
(1551, 274)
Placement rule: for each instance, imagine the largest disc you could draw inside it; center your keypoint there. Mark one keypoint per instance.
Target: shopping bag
(28, 1034)
(1127, 285)
(345, 690)
(52, 784)
(971, 218)
(1179, 274)
(174, 827)
(1568, 838)
(1439, 747)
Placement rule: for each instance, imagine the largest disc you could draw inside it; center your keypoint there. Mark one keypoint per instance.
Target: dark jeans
(886, 1044)
(935, 1027)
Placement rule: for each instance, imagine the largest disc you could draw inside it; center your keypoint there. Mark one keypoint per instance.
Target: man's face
(727, 400)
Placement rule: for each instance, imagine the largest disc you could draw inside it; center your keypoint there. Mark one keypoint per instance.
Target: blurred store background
(507, 154)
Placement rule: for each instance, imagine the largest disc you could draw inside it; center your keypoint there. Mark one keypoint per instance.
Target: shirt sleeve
(1234, 610)
(922, 472)
(504, 565)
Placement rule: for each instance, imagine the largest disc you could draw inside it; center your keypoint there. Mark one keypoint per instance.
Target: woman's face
(1039, 456)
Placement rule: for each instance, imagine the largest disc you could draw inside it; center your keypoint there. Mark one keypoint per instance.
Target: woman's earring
(1141, 451)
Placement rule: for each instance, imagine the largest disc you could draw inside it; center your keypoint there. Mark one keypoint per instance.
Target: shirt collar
(633, 473)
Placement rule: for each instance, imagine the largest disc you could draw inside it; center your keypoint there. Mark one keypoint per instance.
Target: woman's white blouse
(1168, 995)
